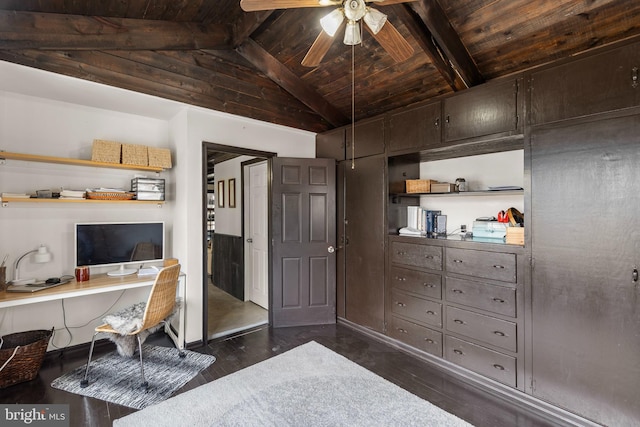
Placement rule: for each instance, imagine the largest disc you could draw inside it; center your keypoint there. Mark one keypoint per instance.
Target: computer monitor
(119, 244)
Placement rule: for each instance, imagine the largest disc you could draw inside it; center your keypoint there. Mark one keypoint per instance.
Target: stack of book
(72, 194)
(420, 221)
(15, 196)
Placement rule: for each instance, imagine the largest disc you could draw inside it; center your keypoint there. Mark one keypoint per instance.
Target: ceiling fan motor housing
(354, 10)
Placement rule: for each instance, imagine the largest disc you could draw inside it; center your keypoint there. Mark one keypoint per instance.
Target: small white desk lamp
(41, 256)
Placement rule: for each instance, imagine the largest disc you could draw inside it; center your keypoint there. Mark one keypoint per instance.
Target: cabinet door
(331, 144)
(365, 237)
(415, 128)
(484, 110)
(585, 248)
(369, 136)
(599, 83)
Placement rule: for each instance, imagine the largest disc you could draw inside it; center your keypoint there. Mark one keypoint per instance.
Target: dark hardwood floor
(242, 350)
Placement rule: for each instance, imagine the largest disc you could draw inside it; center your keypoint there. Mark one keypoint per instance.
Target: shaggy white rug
(307, 386)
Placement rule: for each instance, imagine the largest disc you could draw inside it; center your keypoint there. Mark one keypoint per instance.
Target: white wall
(48, 127)
(189, 130)
(480, 173)
(48, 114)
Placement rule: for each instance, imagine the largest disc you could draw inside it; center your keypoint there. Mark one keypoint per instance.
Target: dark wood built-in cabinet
(466, 304)
(491, 109)
(553, 323)
(416, 128)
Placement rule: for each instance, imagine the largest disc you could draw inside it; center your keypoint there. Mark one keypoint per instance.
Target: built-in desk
(99, 283)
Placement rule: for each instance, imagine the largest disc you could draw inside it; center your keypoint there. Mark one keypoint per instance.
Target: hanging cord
(353, 107)
(10, 358)
(68, 328)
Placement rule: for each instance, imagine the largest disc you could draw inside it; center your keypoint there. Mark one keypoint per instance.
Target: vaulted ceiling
(211, 53)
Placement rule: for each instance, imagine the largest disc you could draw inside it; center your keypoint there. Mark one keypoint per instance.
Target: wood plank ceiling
(210, 53)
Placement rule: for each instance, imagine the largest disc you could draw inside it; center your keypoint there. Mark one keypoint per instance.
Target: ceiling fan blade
(319, 49)
(256, 5)
(388, 2)
(393, 42)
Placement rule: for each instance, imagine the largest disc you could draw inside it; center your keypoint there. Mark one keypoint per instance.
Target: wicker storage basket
(159, 157)
(21, 355)
(418, 185)
(106, 195)
(106, 151)
(133, 154)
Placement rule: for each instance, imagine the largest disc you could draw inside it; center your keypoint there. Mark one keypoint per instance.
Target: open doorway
(236, 193)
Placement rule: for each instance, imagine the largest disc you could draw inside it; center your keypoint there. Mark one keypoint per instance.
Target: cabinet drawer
(418, 282)
(417, 255)
(487, 362)
(416, 336)
(483, 328)
(419, 309)
(488, 265)
(498, 299)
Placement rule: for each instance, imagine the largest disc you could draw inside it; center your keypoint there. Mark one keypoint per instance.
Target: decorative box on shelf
(148, 188)
(442, 187)
(515, 235)
(419, 185)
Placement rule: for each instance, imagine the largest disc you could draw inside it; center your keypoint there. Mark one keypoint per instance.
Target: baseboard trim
(516, 397)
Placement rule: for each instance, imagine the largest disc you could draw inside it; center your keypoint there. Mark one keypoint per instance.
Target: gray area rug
(116, 379)
(307, 386)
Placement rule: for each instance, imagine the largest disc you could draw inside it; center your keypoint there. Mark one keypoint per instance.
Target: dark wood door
(365, 238)
(416, 128)
(586, 247)
(303, 290)
(490, 109)
(331, 144)
(590, 85)
(369, 135)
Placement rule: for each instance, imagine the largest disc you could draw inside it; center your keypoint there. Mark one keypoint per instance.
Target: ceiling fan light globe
(331, 22)
(375, 20)
(352, 34)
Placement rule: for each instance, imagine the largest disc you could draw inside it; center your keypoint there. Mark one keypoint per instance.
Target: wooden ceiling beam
(423, 36)
(248, 23)
(51, 31)
(285, 78)
(448, 40)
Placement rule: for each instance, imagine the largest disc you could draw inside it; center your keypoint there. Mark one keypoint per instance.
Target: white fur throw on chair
(128, 320)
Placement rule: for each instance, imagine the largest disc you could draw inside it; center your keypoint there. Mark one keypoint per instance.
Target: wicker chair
(159, 306)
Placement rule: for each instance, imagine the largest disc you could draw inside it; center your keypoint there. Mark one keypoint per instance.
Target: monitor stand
(121, 271)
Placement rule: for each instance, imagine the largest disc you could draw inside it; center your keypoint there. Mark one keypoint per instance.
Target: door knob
(249, 240)
(331, 249)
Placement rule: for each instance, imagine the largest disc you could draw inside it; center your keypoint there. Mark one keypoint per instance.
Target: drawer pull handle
(428, 256)
(500, 333)
(500, 300)
(458, 321)
(459, 352)
(498, 367)
(402, 331)
(499, 267)
(428, 285)
(457, 291)
(459, 261)
(401, 253)
(400, 279)
(431, 312)
(429, 341)
(400, 304)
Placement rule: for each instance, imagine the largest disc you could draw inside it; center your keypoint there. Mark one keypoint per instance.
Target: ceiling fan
(351, 11)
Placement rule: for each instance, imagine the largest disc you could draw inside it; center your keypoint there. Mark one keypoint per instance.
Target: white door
(256, 234)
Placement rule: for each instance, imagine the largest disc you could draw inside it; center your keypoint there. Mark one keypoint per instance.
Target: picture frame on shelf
(220, 195)
(232, 193)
